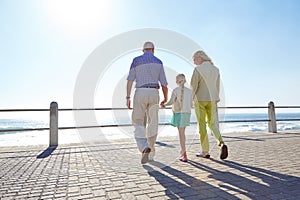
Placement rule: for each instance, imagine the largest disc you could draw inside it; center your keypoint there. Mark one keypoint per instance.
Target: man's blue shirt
(147, 70)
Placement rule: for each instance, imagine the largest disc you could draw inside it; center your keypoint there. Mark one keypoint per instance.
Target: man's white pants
(145, 102)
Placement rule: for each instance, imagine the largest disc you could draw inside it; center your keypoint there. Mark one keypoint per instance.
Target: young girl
(181, 101)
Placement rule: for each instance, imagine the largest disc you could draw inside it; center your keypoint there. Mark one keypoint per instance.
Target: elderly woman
(205, 84)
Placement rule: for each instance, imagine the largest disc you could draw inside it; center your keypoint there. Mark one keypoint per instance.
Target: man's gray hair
(148, 45)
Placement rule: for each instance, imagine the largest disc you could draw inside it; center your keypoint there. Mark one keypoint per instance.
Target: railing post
(53, 124)
(272, 118)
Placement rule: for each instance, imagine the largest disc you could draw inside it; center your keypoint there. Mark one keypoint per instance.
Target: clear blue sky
(43, 44)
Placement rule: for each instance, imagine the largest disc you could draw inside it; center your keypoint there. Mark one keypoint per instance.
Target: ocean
(72, 136)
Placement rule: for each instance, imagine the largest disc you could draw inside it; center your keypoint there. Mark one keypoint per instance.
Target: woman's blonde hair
(202, 54)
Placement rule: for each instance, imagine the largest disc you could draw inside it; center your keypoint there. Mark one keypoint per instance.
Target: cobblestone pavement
(259, 166)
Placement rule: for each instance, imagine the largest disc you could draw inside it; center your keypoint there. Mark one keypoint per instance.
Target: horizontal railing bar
(23, 110)
(241, 107)
(123, 125)
(97, 126)
(74, 109)
(287, 107)
(53, 126)
(82, 109)
(237, 121)
(287, 120)
(124, 108)
(23, 130)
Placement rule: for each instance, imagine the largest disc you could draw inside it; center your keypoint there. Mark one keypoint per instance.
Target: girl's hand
(162, 104)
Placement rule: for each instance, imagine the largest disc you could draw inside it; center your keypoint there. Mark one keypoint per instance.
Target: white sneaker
(151, 155)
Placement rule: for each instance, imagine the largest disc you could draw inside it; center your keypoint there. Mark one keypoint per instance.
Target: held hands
(162, 104)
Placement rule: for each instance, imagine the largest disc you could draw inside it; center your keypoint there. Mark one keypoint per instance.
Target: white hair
(201, 54)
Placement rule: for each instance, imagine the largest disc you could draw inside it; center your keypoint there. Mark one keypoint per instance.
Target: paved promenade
(259, 166)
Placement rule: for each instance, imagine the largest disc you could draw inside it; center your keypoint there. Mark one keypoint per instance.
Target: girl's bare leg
(181, 132)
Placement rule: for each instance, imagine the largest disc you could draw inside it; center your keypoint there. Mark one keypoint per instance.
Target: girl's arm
(172, 99)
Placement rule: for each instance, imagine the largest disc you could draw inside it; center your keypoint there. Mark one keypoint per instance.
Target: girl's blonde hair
(180, 80)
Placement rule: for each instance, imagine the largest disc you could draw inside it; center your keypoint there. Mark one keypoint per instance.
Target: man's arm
(129, 86)
(165, 92)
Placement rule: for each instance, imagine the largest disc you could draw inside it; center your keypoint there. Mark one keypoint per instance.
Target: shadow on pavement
(184, 186)
(47, 152)
(164, 144)
(272, 184)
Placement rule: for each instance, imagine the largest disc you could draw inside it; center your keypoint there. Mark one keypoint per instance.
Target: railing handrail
(287, 107)
(122, 125)
(24, 129)
(54, 118)
(23, 110)
(123, 108)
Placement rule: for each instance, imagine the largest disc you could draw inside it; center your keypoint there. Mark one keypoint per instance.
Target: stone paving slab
(259, 166)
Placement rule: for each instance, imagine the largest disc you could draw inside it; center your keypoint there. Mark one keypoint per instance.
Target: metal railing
(53, 126)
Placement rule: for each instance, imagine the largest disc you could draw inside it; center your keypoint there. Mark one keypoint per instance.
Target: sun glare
(79, 16)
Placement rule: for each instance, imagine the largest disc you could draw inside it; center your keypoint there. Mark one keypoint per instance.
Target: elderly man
(148, 73)
(205, 83)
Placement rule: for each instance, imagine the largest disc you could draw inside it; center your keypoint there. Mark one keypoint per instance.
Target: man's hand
(128, 103)
(129, 86)
(165, 93)
(162, 104)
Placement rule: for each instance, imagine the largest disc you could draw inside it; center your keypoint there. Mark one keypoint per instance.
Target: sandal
(203, 155)
(183, 157)
(145, 155)
(224, 152)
